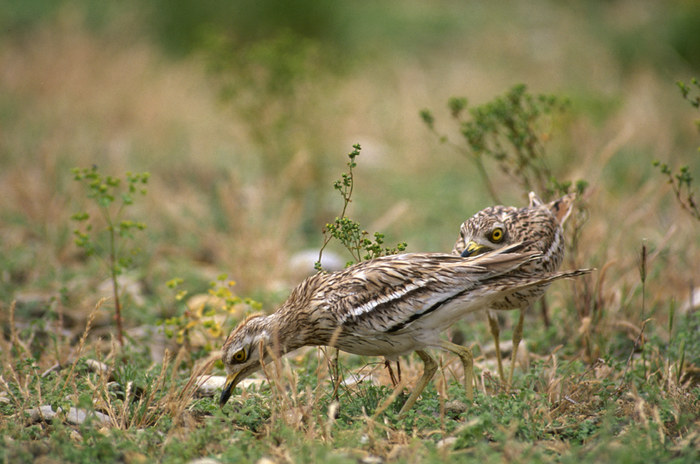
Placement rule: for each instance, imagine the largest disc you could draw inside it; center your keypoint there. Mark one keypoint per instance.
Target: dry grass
(221, 201)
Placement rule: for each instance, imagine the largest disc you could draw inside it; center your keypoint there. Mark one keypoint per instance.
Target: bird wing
(521, 290)
(527, 282)
(387, 294)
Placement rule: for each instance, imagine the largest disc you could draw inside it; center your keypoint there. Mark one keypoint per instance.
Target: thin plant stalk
(643, 278)
(115, 283)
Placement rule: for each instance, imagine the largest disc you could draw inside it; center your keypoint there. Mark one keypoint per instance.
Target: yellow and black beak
(231, 382)
(474, 249)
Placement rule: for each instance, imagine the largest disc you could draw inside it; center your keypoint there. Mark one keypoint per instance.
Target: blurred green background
(243, 112)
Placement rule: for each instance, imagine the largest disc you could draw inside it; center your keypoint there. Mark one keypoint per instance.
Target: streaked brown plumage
(389, 306)
(541, 224)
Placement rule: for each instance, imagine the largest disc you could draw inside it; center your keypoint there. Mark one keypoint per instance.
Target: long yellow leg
(517, 337)
(495, 332)
(465, 354)
(430, 366)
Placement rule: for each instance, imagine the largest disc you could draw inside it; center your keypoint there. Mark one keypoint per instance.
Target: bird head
(498, 226)
(242, 352)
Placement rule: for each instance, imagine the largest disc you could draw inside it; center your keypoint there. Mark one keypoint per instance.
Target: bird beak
(474, 249)
(230, 384)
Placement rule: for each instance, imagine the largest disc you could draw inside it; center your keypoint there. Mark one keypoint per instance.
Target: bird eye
(497, 235)
(239, 356)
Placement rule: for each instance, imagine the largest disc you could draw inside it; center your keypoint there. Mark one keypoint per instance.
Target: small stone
(301, 264)
(55, 368)
(97, 366)
(210, 385)
(35, 298)
(207, 385)
(78, 416)
(251, 384)
(351, 379)
(371, 460)
(75, 416)
(446, 442)
(205, 461)
(41, 413)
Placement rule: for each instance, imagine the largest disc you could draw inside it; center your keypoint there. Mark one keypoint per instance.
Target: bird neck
(287, 329)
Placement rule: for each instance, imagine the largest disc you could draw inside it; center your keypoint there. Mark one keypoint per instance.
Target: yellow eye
(239, 356)
(497, 235)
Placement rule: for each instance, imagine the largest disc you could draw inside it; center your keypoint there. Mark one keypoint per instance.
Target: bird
(389, 306)
(541, 224)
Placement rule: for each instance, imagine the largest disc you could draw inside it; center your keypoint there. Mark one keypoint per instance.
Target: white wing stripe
(382, 299)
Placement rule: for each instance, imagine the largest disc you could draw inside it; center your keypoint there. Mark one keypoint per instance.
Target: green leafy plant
(511, 130)
(349, 232)
(682, 184)
(686, 91)
(681, 181)
(209, 318)
(108, 240)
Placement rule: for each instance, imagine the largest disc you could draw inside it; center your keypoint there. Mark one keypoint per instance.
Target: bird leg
(430, 366)
(495, 332)
(517, 337)
(465, 354)
(387, 364)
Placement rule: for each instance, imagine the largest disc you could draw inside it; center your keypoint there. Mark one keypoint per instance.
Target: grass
(240, 184)
(561, 409)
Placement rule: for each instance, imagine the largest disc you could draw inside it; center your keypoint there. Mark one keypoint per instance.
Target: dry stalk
(175, 402)
(122, 424)
(319, 391)
(280, 399)
(640, 338)
(24, 392)
(441, 387)
(13, 330)
(160, 381)
(6, 386)
(81, 344)
(14, 338)
(554, 383)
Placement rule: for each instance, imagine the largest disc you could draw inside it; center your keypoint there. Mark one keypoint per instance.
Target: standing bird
(541, 225)
(388, 306)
